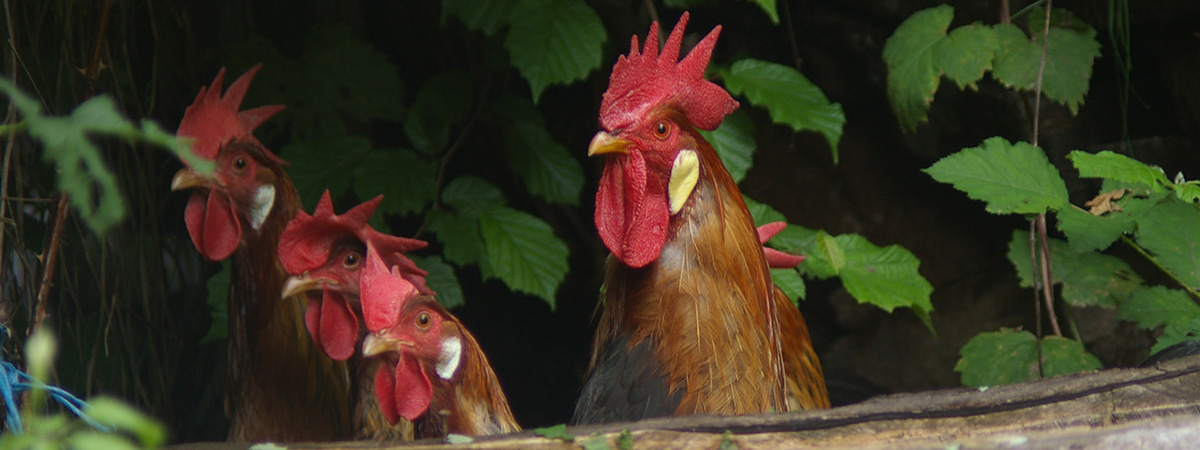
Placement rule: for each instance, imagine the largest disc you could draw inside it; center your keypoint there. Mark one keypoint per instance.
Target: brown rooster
(433, 373)
(325, 254)
(690, 320)
(279, 387)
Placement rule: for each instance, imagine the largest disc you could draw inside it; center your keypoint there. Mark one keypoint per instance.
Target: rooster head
(325, 252)
(422, 336)
(649, 116)
(238, 189)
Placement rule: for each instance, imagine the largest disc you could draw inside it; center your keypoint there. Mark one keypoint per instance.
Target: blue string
(13, 381)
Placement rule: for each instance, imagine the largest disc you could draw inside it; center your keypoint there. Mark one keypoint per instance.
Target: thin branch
(1037, 304)
(791, 31)
(50, 261)
(8, 151)
(1047, 274)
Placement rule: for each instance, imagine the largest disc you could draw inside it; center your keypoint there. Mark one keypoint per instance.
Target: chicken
(690, 320)
(324, 253)
(433, 373)
(279, 387)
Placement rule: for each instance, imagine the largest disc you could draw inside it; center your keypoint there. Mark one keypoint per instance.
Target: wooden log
(1156, 407)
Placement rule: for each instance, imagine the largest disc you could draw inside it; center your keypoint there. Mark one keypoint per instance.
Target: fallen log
(1154, 407)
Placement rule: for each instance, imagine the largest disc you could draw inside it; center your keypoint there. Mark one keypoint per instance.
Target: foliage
(1137, 205)
(922, 50)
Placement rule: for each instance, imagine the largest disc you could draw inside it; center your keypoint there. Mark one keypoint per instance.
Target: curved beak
(186, 179)
(302, 283)
(604, 143)
(374, 344)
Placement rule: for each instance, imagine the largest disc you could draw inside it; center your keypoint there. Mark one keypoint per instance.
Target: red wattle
(385, 394)
(631, 211)
(339, 326)
(413, 390)
(213, 225)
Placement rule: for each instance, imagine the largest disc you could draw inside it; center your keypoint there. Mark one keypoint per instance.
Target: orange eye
(423, 320)
(661, 129)
(351, 260)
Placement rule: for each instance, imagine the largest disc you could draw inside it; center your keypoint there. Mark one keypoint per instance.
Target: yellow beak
(301, 283)
(186, 179)
(604, 143)
(374, 344)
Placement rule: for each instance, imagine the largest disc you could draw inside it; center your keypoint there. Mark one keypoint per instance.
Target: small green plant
(1137, 205)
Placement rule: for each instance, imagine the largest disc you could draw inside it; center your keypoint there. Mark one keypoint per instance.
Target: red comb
(383, 292)
(213, 120)
(641, 81)
(307, 240)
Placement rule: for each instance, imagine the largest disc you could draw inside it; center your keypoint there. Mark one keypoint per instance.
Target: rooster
(690, 320)
(325, 254)
(278, 387)
(433, 373)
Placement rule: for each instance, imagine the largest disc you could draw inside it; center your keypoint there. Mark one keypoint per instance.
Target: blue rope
(13, 382)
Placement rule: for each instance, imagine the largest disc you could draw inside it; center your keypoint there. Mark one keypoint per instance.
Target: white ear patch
(450, 357)
(685, 171)
(264, 199)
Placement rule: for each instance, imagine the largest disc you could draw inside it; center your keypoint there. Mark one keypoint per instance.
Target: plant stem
(458, 143)
(51, 258)
(1141, 251)
(1047, 274)
(11, 129)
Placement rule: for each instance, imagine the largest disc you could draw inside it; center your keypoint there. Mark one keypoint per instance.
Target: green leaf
(763, 213)
(113, 412)
(442, 280)
(966, 53)
(1155, 306)
(267, 446)
(546, 166)
(461, 239)
(912, 76)
(524, 252)
(768, 6)
(471, 195)
(886, 277)
(217, 287)
(486, 16)
(1171, 231)
(442, 103)
(327, 163)
(597, 442)
(1088, 278)
(789, 97)
(1011, 178)
(625, 440)
(97, 440)
(455, 439)
(406, 181)
(1088, 232)
(1068, 68)
(789, 281)
(555, 432)
(734, 142)
(1010, 356)
(554, 41)
(1175, 333)
(1116, 166)
(727, 442)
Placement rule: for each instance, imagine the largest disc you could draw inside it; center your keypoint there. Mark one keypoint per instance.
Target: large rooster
(325, 253)
(434, 372)
(279, 386)
(691, 320)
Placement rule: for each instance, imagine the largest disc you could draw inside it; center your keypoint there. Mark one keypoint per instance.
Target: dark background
(130, 312)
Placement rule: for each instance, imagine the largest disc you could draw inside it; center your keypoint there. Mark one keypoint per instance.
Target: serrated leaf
(1171, 232)
(327, 163)
(554, 41)
(486, 16)
(829, 247)
(1115, 166)
(1155, 306)
(406, 181)
(1010, 356)
(1087, 232)
(768, 6)
(966, 53)
(1088, 278)
(442, 103)
(1188, 192)
(471, 195)
(912, 77)
(1068, 68)
(1176, 333)
(764, 213)
(114, 413)
(789, 281)
(546, 166)
(734, 143)
(1011, 178)
(554, 432)
(442, 280)
(789, 97)
(460, 237)
(217, 287)
(886, 277)
(523, 252)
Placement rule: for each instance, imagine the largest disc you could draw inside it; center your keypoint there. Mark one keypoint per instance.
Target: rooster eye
(351, 260)
(239, 163)
(423, 320)
(661, 129)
